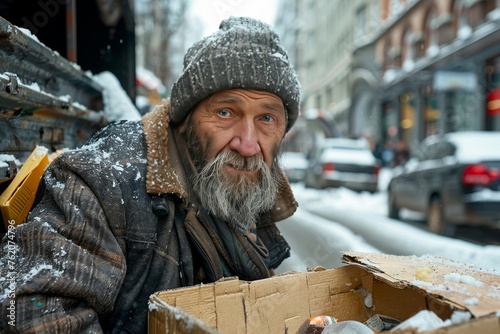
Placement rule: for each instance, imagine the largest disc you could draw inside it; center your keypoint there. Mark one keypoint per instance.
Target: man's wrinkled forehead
(238, 96)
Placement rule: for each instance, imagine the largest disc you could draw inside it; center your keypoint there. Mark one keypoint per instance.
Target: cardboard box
(394, 286)
(17, 199)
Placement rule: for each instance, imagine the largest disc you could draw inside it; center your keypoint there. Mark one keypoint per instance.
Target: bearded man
(189, 195)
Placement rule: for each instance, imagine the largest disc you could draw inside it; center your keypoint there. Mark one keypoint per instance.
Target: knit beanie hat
(243, 53)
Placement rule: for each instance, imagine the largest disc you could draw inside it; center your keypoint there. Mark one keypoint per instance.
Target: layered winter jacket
(115, 225)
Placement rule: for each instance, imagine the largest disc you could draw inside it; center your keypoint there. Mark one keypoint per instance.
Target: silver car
(453, 179)
(343, 162)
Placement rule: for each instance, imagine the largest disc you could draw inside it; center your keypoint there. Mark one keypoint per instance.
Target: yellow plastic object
(17, 199)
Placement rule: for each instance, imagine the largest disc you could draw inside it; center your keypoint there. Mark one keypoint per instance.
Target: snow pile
(5, 159)
(117, 104)
(28, 33)
(428, 321)
(466, 279)
(149, 80)
(423, 321)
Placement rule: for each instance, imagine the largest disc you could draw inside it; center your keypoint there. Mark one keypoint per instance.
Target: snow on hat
(243, 53)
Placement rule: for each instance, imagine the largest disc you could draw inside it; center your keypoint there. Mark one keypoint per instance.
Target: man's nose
(245, 139)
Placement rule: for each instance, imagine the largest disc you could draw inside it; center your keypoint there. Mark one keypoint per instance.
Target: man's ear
(183, 126)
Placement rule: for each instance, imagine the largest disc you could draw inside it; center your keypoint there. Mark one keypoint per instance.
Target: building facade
(330, 30)
(398, 70)
(320, 36)
(439, 64)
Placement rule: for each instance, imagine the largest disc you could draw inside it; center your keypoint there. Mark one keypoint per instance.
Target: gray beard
(234, 198)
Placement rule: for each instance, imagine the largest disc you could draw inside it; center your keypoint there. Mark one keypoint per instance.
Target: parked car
(294, 164)
(343, 162)
(454, 179)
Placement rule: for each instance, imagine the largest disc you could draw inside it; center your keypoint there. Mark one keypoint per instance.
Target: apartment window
(431, 34)
(492, 5)
(408, 54)
(387, 56)
(461, 17)
(361, 21)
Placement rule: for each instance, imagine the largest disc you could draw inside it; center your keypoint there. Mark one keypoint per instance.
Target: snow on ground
(366, 215)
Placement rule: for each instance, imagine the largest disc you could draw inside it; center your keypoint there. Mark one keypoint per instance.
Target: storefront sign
(453, 80)
(493, 104)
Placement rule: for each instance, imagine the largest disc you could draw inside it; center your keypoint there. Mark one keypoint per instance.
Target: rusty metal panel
(37, 65)
(44, 98)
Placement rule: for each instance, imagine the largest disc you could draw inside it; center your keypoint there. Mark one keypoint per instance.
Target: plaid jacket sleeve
(63, 268)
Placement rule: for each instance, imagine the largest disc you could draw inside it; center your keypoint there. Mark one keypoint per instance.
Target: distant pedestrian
(401, 154)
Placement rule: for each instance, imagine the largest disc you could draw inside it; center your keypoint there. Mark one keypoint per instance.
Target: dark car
(453, 179)
(343, 162)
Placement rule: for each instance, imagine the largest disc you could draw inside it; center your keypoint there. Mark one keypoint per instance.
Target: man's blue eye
(268, 118)
(223, 112)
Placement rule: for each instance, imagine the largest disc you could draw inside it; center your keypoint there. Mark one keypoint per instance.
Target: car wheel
(393, 209)
(435, 218)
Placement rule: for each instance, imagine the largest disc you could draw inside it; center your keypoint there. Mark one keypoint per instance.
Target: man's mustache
(236, 160)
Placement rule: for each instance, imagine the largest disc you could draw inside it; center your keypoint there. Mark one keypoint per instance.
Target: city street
(330, 221)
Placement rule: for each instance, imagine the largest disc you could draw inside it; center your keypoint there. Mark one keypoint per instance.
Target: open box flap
(17, 199)
(461, 285)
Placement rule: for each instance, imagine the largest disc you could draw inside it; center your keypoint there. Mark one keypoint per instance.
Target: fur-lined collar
(165, 174)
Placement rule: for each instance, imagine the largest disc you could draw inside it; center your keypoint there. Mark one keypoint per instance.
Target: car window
(440, 150)
(448, 149)
(429, 152)
(420, 152)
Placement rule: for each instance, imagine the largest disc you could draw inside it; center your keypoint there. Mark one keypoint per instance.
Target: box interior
(281, 304)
